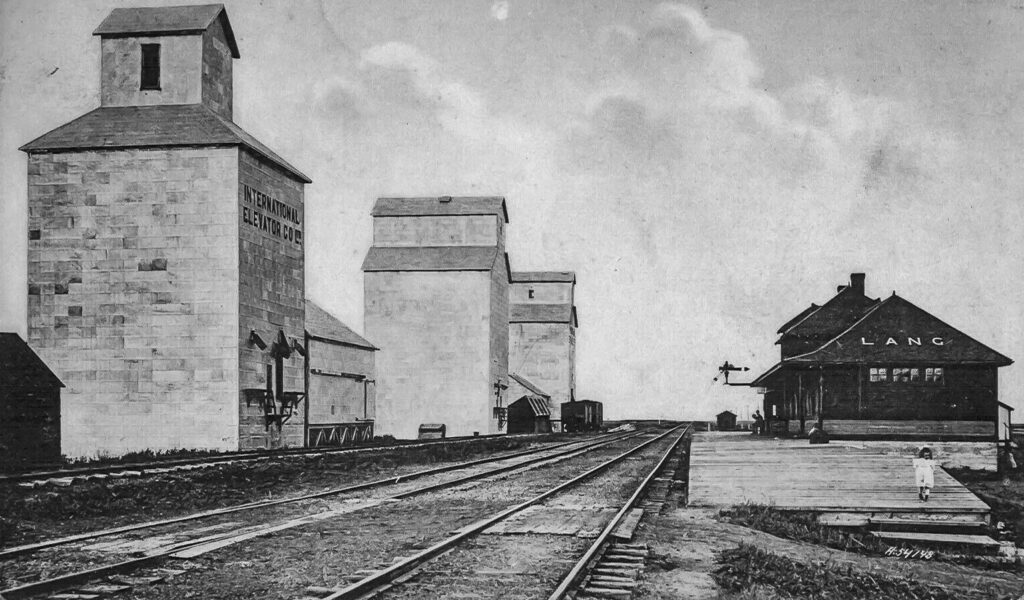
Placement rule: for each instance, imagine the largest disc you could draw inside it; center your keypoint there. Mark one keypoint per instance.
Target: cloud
(695, 93)
(458, 107)
(499, 10)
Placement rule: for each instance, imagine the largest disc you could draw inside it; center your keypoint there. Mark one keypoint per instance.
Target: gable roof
(544, 277)
(430, 258)
(542, 313)
(526, 383)
(883, 335)
(803, 314)
(120, 127)
(21, 366)
(830, 318)
(441, 206)
(322, 324)
(538, 406)
(899, 319)
(166, 20)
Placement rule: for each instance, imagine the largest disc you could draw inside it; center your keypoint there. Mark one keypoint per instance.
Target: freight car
(582, 415)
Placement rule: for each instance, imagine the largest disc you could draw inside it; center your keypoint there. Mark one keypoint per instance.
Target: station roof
(526, 383)
(543, 313)
(882, 336)
(166, 20)
(157, 126)
(441, 206)
(431, 258)
(323, 325)
(20, 366)
(544, 277)
(835, 315)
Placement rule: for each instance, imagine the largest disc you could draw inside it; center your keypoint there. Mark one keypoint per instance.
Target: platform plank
(728, 469)
(938, 538)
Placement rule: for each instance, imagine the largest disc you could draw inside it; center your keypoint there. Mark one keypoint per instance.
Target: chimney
(857, 282)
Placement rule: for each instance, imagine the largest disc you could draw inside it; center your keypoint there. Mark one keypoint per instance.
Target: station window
(530, 293)
(879, 374)
(150, 79)
(915, 374)
(901, 375)
(934, 375)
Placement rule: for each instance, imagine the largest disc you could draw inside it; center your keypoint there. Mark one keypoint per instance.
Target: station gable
(898, 331)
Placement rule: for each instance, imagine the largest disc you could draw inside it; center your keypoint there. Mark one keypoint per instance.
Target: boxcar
(582, 415)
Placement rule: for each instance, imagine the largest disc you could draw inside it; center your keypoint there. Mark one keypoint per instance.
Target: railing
(339, 434)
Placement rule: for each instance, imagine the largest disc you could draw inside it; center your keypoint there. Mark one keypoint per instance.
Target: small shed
(528, 417)
(726, 420)
(1005, 422)
(29, 406)
(529, 414)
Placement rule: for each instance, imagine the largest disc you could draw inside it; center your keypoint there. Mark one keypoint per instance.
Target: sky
(707, 169)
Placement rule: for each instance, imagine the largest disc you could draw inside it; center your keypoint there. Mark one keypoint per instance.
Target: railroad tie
(616, 573)
(601, 592)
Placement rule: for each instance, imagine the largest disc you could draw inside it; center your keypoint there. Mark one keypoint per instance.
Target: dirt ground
(30, 515)
(684, 543)
(324, 554)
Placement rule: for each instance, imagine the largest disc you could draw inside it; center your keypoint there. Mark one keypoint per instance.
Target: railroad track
(66, 476)
(623, 559)
(521, 460)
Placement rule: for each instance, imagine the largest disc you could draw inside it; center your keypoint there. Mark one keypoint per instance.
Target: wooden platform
(939, 538)
(733, 468)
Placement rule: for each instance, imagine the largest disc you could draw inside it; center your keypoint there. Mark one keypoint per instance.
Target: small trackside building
(166, 253)
(542, 334)
(726, 420)
(341, 390)
(888, 373)
(436, 302)
(29, 406)
(529, 409)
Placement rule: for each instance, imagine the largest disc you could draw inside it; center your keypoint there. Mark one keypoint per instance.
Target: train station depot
(886, 372)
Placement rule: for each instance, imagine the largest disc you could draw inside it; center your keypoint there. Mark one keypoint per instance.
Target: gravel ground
(34, 514)
(322, 554)
(528, 566)
(56, 561)
(370, 538)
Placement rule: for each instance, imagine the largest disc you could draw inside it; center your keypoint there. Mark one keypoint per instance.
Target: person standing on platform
(758, 423)
(924, 473)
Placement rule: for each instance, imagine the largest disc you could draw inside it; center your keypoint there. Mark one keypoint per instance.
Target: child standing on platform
(924, 473)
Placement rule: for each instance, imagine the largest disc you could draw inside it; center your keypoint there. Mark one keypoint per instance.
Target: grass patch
(803, 527)
(1003, 492)
(754, 573)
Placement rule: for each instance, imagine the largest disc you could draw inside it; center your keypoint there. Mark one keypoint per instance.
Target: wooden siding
(980, 429)
(846, 393)
(30, 431)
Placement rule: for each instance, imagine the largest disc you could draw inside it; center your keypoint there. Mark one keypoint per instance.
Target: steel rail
(89, 535)
(143, 467)
(71, 579)
(374, 583)
(598, 546)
